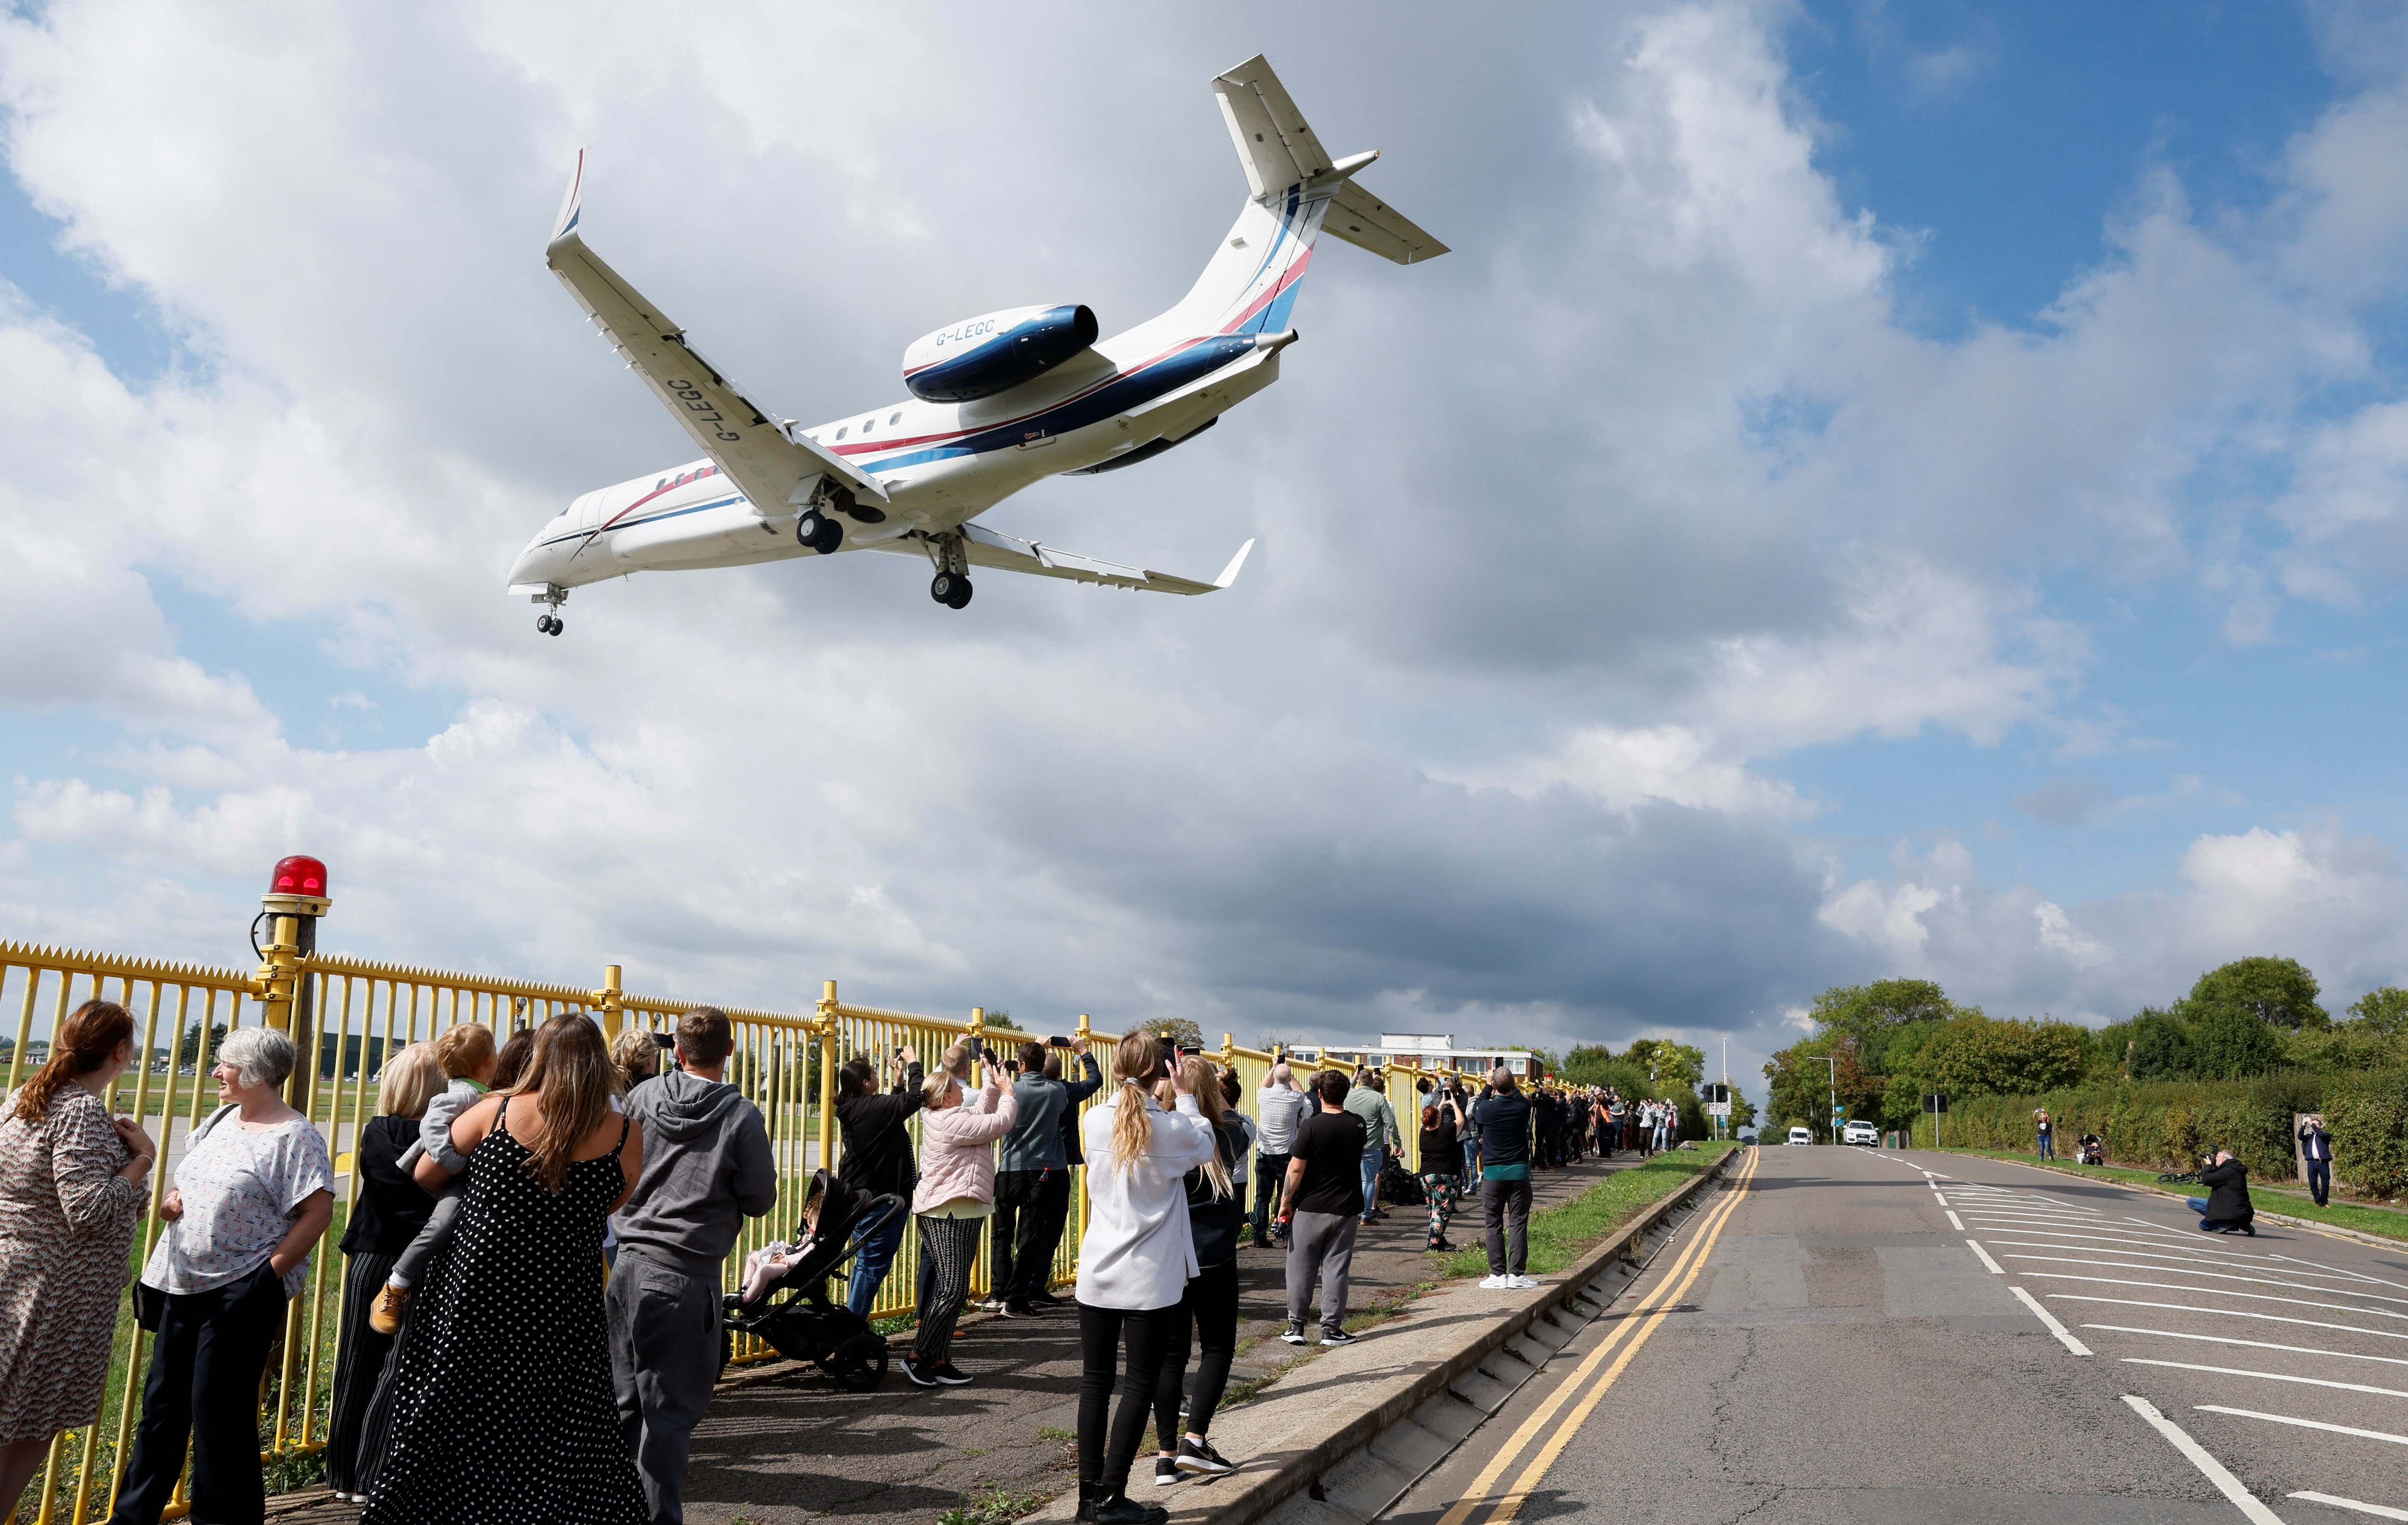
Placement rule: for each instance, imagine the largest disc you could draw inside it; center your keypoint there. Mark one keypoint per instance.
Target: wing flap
(1363, 219)
(987, 548)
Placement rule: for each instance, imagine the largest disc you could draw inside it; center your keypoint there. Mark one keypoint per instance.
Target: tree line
(1885, 1046)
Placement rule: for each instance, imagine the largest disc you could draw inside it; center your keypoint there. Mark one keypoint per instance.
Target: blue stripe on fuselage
(581, 533)
(1139, 387)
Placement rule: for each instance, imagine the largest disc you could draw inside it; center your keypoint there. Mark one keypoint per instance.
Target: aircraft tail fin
(1274, 143)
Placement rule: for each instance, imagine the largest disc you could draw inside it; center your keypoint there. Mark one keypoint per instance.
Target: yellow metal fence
(353, 1013)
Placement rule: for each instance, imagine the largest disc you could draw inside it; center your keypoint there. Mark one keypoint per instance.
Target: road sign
(1935, 1101)
(1717, 1109)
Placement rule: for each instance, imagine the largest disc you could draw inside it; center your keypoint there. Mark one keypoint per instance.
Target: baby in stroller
(785, 1299)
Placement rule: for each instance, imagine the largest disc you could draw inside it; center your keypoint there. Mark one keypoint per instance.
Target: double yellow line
(1639, 1325)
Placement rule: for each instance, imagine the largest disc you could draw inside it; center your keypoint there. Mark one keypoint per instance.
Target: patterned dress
(66, 1222)
(503, 1412)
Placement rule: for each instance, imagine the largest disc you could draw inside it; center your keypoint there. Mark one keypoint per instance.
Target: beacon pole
(295, 898)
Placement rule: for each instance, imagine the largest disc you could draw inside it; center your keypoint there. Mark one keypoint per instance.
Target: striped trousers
(948, 1249)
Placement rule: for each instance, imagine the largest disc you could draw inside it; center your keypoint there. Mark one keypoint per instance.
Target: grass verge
(1560, 1234)
(992, 1503)
(2383, 1222)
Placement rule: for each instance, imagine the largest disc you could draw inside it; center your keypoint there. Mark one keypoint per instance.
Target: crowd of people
(532, 1320)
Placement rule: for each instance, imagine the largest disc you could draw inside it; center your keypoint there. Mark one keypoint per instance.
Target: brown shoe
(392, 1306)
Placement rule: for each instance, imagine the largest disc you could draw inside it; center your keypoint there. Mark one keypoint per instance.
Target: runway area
(1845, 1334)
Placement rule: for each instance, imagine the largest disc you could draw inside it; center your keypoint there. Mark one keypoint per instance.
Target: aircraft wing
(1007, 552)
(751, 445)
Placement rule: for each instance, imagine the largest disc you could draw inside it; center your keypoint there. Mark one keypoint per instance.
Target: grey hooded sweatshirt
(707, 1169)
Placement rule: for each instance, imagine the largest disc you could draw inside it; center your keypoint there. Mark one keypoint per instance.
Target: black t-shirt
(393, 1206)
(1331, 1144)
(1437, 1144)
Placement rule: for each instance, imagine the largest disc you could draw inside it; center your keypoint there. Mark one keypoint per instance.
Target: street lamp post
(1834, 1063)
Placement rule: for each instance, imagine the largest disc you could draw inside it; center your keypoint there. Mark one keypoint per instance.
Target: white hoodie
(1137, 1252)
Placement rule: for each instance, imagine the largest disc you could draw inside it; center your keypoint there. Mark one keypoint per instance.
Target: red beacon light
(297, 887)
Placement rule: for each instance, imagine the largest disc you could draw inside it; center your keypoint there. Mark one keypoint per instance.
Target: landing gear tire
(819, 532)
(547, 625)
(950, 589)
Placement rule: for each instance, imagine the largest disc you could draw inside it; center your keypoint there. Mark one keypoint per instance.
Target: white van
(1801, 1135)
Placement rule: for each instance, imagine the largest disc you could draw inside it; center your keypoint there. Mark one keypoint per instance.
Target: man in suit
(2315, 1147)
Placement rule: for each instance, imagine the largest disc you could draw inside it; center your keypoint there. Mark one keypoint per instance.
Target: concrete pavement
(1831, 1347)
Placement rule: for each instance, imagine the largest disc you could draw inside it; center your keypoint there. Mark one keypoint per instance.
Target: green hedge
(2171, 1125)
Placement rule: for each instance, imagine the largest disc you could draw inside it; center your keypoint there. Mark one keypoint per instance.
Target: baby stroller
(2089, 1151)
(794, 1312)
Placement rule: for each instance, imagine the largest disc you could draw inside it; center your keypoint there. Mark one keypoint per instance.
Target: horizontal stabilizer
(1276, 147)
(1364, 221)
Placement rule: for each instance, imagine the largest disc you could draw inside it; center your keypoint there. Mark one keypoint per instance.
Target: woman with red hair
(71, 1191)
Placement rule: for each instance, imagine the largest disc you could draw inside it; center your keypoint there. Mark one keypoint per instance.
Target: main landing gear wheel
(950, 589)
(549, 625)
(819, 532)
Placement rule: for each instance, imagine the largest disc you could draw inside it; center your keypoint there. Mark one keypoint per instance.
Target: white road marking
(2213, 1292)
(2378, 1511)
(2337, 1271)
(1955, 1223)
(1940, 1199)
(2213, 1470)
(2227, 1312)
(2253, 1344)
(2064, 1337)
(1996, 1269)
(2120, 1265)
(2271, 1376)
(2305, 1424)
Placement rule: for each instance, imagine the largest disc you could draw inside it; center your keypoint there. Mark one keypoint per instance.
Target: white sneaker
(1495, 1284)
(1522, 1282)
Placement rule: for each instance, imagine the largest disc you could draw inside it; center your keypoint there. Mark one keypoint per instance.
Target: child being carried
(466, 1057)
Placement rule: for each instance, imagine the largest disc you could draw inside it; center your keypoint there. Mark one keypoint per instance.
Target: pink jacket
(958, 1146)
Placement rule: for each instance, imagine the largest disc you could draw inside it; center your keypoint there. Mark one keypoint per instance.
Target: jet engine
(981, 356)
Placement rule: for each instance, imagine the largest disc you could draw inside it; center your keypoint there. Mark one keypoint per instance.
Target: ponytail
(87, 1039)
(1136, 1064)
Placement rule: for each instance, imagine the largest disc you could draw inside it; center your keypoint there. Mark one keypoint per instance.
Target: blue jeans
(2208, 1225)
(2046, 1151)
(1371, 1163)
(873, 1252)
(1471, 1162)
(2320, 1179)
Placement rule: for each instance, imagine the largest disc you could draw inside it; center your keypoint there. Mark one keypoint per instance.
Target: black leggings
(1211, 1308)
(1149, 1333)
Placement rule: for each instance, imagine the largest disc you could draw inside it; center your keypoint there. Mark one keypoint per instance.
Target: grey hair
(263, 1056)
(1282, 1074)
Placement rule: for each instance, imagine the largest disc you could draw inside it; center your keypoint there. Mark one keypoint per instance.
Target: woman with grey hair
(252, 1194)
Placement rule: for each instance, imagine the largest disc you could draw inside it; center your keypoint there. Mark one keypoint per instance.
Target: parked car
(1801, 1135)
(1859, 1131)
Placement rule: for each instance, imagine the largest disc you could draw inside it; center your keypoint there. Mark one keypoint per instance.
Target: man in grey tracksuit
(707, 1169)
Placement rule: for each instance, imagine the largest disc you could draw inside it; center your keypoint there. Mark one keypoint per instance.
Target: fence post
(612, 998)
(827, 1024)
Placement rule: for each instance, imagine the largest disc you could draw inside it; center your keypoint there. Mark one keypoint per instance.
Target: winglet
(1229, 573)
(571, 205)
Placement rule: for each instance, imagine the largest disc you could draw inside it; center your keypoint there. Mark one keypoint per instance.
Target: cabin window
(896, 418)
(658, 485)
(866, 424)
(839, 434)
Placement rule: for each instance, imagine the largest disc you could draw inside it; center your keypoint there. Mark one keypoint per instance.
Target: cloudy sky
(1877, 489)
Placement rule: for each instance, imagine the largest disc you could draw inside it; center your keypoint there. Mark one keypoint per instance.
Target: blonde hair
(1209, 1101)
(572, 1079)
(464, 1048)
(1136, 1064)
(636, 1057)
(412, 1079)
(952, 1069)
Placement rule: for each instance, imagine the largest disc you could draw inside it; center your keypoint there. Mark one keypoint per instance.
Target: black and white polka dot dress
(503, 1412)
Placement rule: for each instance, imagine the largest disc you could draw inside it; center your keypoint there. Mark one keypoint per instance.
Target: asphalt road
(1827, 1343)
